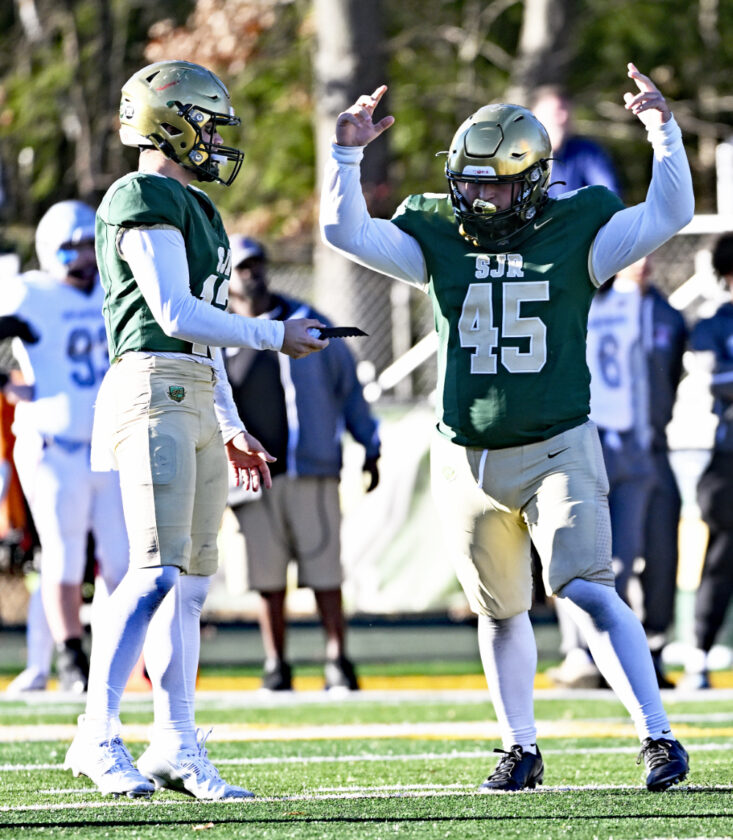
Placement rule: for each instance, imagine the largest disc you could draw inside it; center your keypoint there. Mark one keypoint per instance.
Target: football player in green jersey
(165, 418)
(515, 460)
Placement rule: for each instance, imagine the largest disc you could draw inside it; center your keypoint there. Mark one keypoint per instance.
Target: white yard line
(364, 793)
(344, 794)
(372, 757)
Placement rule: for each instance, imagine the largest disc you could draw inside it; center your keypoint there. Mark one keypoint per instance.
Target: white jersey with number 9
(67, 363)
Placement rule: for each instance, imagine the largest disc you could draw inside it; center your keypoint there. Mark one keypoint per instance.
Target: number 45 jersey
(67, 363)
(511, 319)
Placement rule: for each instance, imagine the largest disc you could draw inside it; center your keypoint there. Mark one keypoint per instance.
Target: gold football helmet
(505, 144)
(167, 104)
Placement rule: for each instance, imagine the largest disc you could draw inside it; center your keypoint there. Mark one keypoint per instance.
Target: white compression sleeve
(619, 647)
(636, 231)
(224, 405)
(118, 640)
(172, 656)
(347, 226)
(157, 258)
(509, 657)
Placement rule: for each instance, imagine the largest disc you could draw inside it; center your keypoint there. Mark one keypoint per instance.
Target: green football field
(379, 764)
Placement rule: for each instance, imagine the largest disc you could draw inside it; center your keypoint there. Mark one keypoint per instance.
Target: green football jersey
(511, 323)
(141, 200)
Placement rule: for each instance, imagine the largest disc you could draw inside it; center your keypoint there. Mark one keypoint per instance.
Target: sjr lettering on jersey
(499, 265)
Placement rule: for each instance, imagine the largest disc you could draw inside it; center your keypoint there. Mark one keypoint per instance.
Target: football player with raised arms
(166, 420)
(515, 460)
(55, 317)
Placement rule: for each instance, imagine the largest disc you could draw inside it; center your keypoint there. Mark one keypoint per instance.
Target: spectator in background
(664, 337)
(55, 317)
(577, 161)
(712, 343)
(21, 541)
(635, 346)
(298, 409)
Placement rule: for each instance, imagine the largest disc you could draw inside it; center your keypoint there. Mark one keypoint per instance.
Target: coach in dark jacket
(299, 411)
(712, 341)
(665, 336)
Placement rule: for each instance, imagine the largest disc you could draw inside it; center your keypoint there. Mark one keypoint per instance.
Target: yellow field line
(415, 682)
(444, 730)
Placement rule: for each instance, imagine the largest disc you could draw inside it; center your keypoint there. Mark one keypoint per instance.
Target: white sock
(696, 662)
(172, 657)
(618, 644)
(118, 639)
(38, 636)
(509, 657)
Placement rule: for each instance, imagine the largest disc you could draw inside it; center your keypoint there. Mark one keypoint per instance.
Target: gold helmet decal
(177, 108)
(499, 144)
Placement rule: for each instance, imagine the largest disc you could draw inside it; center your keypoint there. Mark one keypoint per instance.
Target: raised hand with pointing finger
(648, 104)
(356, 126)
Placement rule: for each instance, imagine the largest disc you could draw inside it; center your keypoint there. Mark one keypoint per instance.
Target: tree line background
(292, 65)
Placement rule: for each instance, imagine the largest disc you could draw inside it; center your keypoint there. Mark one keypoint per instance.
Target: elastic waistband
(183, 366)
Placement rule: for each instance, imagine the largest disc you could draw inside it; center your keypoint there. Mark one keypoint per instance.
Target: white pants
(67, 500)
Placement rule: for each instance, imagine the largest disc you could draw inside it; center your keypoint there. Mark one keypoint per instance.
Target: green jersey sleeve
(145, 201)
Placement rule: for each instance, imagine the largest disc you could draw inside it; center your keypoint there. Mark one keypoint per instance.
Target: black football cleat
(340, 675)
(277, 676)
(666, 761)
(516, 770)
(72, 667)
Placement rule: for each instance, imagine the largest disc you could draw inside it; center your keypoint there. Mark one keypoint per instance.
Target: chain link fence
(397, 317)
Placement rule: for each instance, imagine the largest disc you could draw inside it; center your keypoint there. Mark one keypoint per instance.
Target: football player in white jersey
(55, 316)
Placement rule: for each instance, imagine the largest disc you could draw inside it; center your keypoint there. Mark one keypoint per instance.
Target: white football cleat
(107, 763)
(577, 670)
(31, 679)
(188, 771)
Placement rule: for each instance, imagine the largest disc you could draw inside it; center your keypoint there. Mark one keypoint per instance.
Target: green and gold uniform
(141, 200)
(511, 323)
(515, 397)
(159, 408)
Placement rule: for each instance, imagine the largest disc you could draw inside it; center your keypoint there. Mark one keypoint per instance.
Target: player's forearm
(347, 226)
(158, 262)
(636, 231)
(230, 422)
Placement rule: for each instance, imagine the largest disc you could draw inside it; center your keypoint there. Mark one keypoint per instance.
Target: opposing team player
(166, 419)
(55, 315)
(515, 461)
